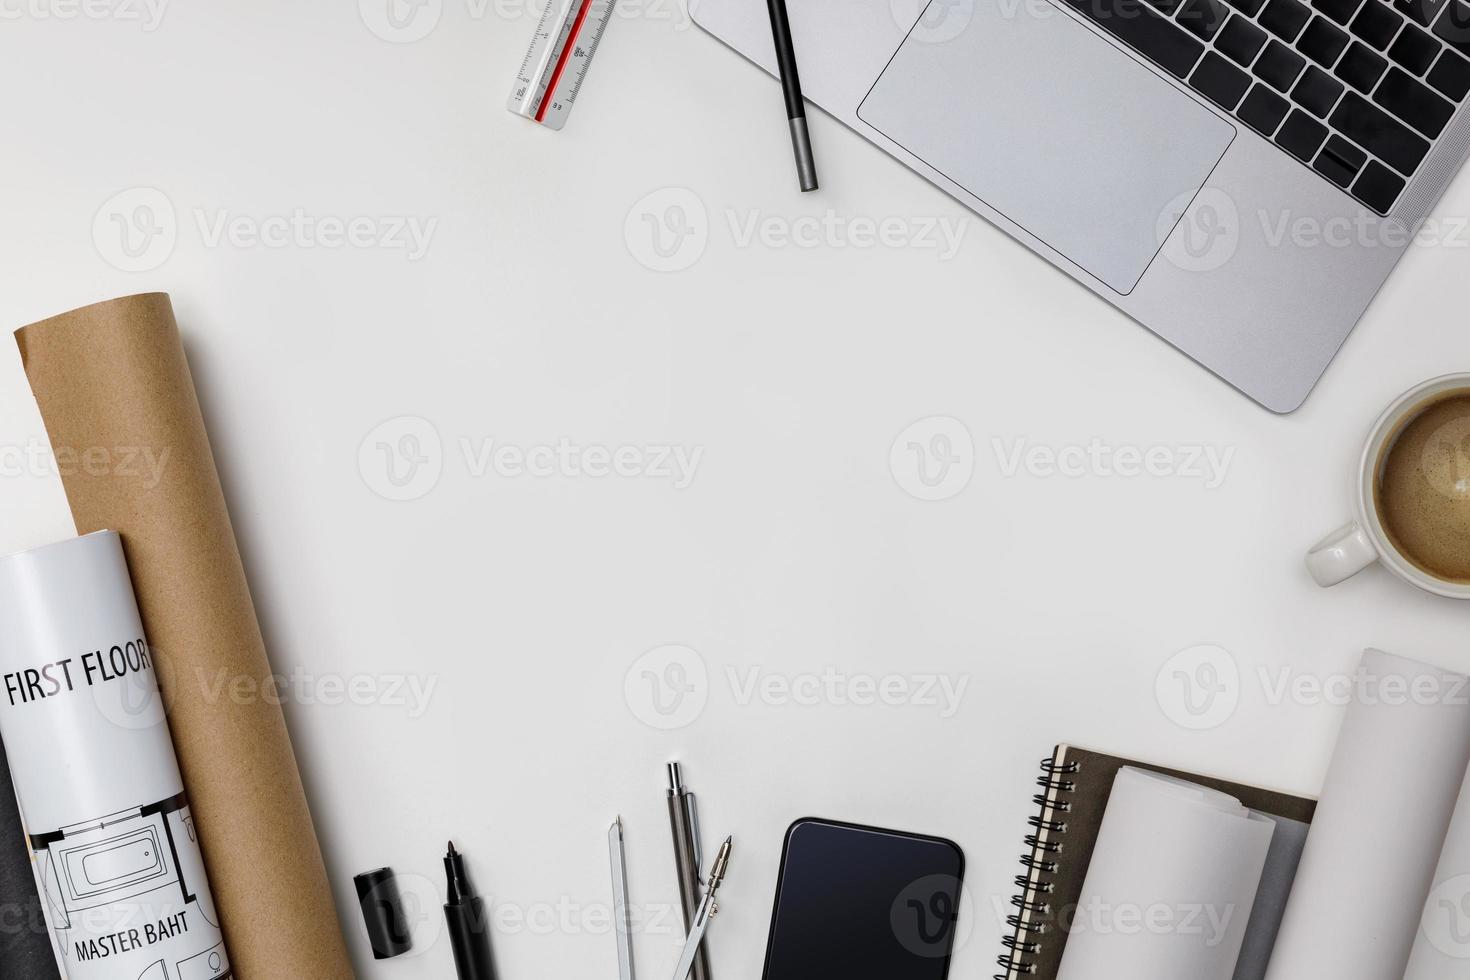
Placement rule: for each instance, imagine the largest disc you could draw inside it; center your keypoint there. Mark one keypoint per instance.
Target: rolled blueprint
(1171, 886)
(1380, 827)
(107, 818)
(1442, 948)
(1282, 861)
(115, 392)
(25, 944)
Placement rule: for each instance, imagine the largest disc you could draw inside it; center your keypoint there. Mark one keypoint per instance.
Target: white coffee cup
(1363, 541)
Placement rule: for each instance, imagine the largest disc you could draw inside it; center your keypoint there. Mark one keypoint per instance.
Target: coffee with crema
(1423, 492)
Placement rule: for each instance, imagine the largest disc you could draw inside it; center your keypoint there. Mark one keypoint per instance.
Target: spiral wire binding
(1031, 901)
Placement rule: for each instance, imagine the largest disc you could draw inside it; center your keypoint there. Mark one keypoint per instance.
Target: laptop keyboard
(1358, 90)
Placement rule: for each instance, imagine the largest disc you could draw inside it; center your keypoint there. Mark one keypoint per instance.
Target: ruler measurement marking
(559, 57)
(561, 63)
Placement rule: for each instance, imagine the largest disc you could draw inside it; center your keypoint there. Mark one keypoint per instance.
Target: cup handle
(1341, 555)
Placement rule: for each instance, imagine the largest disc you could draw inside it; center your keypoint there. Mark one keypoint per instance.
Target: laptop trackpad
(1035, 114)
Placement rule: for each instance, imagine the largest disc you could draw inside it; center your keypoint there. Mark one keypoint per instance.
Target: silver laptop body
(1245, 205)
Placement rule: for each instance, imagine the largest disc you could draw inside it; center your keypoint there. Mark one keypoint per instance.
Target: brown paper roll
(112, 379)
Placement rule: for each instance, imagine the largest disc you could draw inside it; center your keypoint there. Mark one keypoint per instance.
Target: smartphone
(862, 903)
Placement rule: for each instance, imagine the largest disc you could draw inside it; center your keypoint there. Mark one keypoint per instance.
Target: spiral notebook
(1076, 785)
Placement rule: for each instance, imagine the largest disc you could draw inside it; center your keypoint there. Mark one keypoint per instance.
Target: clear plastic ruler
(556, 64)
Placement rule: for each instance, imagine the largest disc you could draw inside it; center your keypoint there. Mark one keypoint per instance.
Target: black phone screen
(861, 903)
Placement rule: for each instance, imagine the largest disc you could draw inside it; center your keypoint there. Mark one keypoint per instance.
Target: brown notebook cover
(1076, 784)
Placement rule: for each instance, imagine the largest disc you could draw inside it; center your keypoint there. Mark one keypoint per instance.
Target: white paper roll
(1171, 885)
(1380, 827)
(94, 768)
(1442, 950)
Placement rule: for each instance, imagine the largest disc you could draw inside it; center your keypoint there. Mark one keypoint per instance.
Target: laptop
(1239, 176)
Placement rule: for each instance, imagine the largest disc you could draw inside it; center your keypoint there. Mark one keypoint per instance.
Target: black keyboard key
(1241, 40)
(1361, 68)
(1279, 66)
(1451, 75)
(1339, 10)
(1376, 23)
(1378, 187)
(1340, 161)
(1285, 18)
(1421, 12)
(1165, 7)
(1379, 133)
(1453, 25)
(1414, 49)
(1302, 135)
(1322, 42)
(1203, 18)
(1137, 25)
(1415, 104)
(1263, 110)
(1248, 7)
(1317, 92)
(1220, 81)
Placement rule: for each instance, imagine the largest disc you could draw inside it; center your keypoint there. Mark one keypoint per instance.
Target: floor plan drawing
(127, 887)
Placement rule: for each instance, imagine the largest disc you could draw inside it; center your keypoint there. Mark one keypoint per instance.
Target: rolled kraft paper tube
(114, 375)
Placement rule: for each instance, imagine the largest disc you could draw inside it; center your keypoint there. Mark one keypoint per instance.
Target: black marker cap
(382, 913)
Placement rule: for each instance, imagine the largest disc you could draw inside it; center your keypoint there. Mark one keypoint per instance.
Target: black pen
(469, 927)
(806, 164)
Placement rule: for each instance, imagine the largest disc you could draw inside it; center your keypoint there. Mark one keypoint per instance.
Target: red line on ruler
(561, 62)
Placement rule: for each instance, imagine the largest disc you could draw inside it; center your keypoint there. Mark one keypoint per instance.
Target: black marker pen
(469, 927)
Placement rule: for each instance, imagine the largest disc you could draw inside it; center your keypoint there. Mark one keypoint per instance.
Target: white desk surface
(534, 318)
